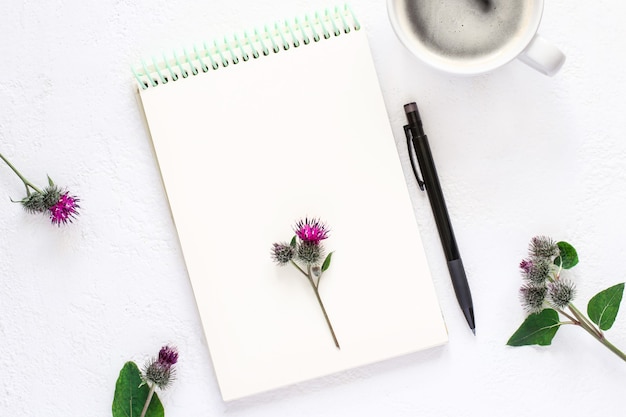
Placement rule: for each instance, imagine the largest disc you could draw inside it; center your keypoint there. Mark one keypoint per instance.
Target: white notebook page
(245, 151)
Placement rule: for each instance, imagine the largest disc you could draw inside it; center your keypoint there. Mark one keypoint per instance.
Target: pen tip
(474, 331)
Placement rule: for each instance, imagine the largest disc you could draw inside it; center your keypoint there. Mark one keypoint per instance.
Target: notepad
(255, 132)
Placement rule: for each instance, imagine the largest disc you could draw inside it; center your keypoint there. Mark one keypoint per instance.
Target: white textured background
(518, 154)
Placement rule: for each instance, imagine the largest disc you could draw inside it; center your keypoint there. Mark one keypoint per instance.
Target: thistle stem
(299, 269)
(319, 300)
(148, 400)
(574, 320)
(596, 333)
(584, 321)
(24, 180)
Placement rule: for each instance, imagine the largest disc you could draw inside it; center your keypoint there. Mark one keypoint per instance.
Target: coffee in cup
(474, 36)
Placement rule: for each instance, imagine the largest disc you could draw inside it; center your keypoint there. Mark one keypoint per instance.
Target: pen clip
(412, 156)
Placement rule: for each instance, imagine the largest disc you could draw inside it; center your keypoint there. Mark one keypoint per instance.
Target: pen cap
(413, 118)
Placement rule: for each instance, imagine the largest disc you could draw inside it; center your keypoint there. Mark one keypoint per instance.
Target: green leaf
(603, 307)
(326, 263)
(131, 395)
(50, 182)
(568, 258)
(537, 329)
(293, 242)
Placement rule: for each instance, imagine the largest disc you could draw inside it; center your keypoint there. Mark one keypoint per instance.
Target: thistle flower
(168, 355)
(60, 205)
(159, 371)
(282, 253)
(305, 255)
(532, 297)
(64, 210)
(549, 300)
(543, 247)
(561, 292)
(311, 230)
(526, 265)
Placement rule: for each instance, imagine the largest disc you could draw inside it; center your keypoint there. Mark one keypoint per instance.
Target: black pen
(418, 143)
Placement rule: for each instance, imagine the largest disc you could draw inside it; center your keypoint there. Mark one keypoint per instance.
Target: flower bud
(543, 247)
(561, 292)
(532, 297)
(282, 253)
(34, 203)
(537, 270)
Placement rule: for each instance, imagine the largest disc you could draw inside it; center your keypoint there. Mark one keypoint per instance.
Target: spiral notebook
(255, 132)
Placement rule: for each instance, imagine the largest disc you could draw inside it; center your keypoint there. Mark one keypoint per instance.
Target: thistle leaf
(50, 182)
(326, 263)
(537, 329)
(603, 307)
(568, 258)
(131, 395)
(293, 242)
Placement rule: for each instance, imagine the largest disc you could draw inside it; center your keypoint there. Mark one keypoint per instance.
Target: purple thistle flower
(64, 210)
(168, 355)
(160, 370)
(311, 230)
(526, 266)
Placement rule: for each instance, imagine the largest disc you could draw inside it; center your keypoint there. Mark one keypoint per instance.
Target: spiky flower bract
(543, 247)
(309, 252)
(311, 230)
(561, 292)
(532, 297)
(34, 203)
(51, 195)
(282, 253)
(159, 370)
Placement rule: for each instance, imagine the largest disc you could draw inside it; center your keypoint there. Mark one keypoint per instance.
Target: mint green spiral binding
(271, 39)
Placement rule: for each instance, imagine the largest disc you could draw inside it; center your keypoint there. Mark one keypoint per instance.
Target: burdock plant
(547, 298)
(60, 206)
(135, 391)
(305, 252)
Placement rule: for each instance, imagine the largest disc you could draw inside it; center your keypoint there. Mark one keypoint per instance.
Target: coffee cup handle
(543, 56)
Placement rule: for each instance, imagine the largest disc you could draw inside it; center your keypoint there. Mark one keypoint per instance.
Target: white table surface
(519, 154)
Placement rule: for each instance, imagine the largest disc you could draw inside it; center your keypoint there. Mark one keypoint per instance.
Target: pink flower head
(526, 266)
(64, 210)
(311, 230)
(168, 355)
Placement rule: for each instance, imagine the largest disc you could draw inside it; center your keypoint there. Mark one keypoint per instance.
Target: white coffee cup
(469, 37)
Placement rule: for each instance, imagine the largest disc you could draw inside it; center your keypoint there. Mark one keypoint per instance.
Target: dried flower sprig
(547, 297)
(304, 252)
(135, 390)
(59, 204)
